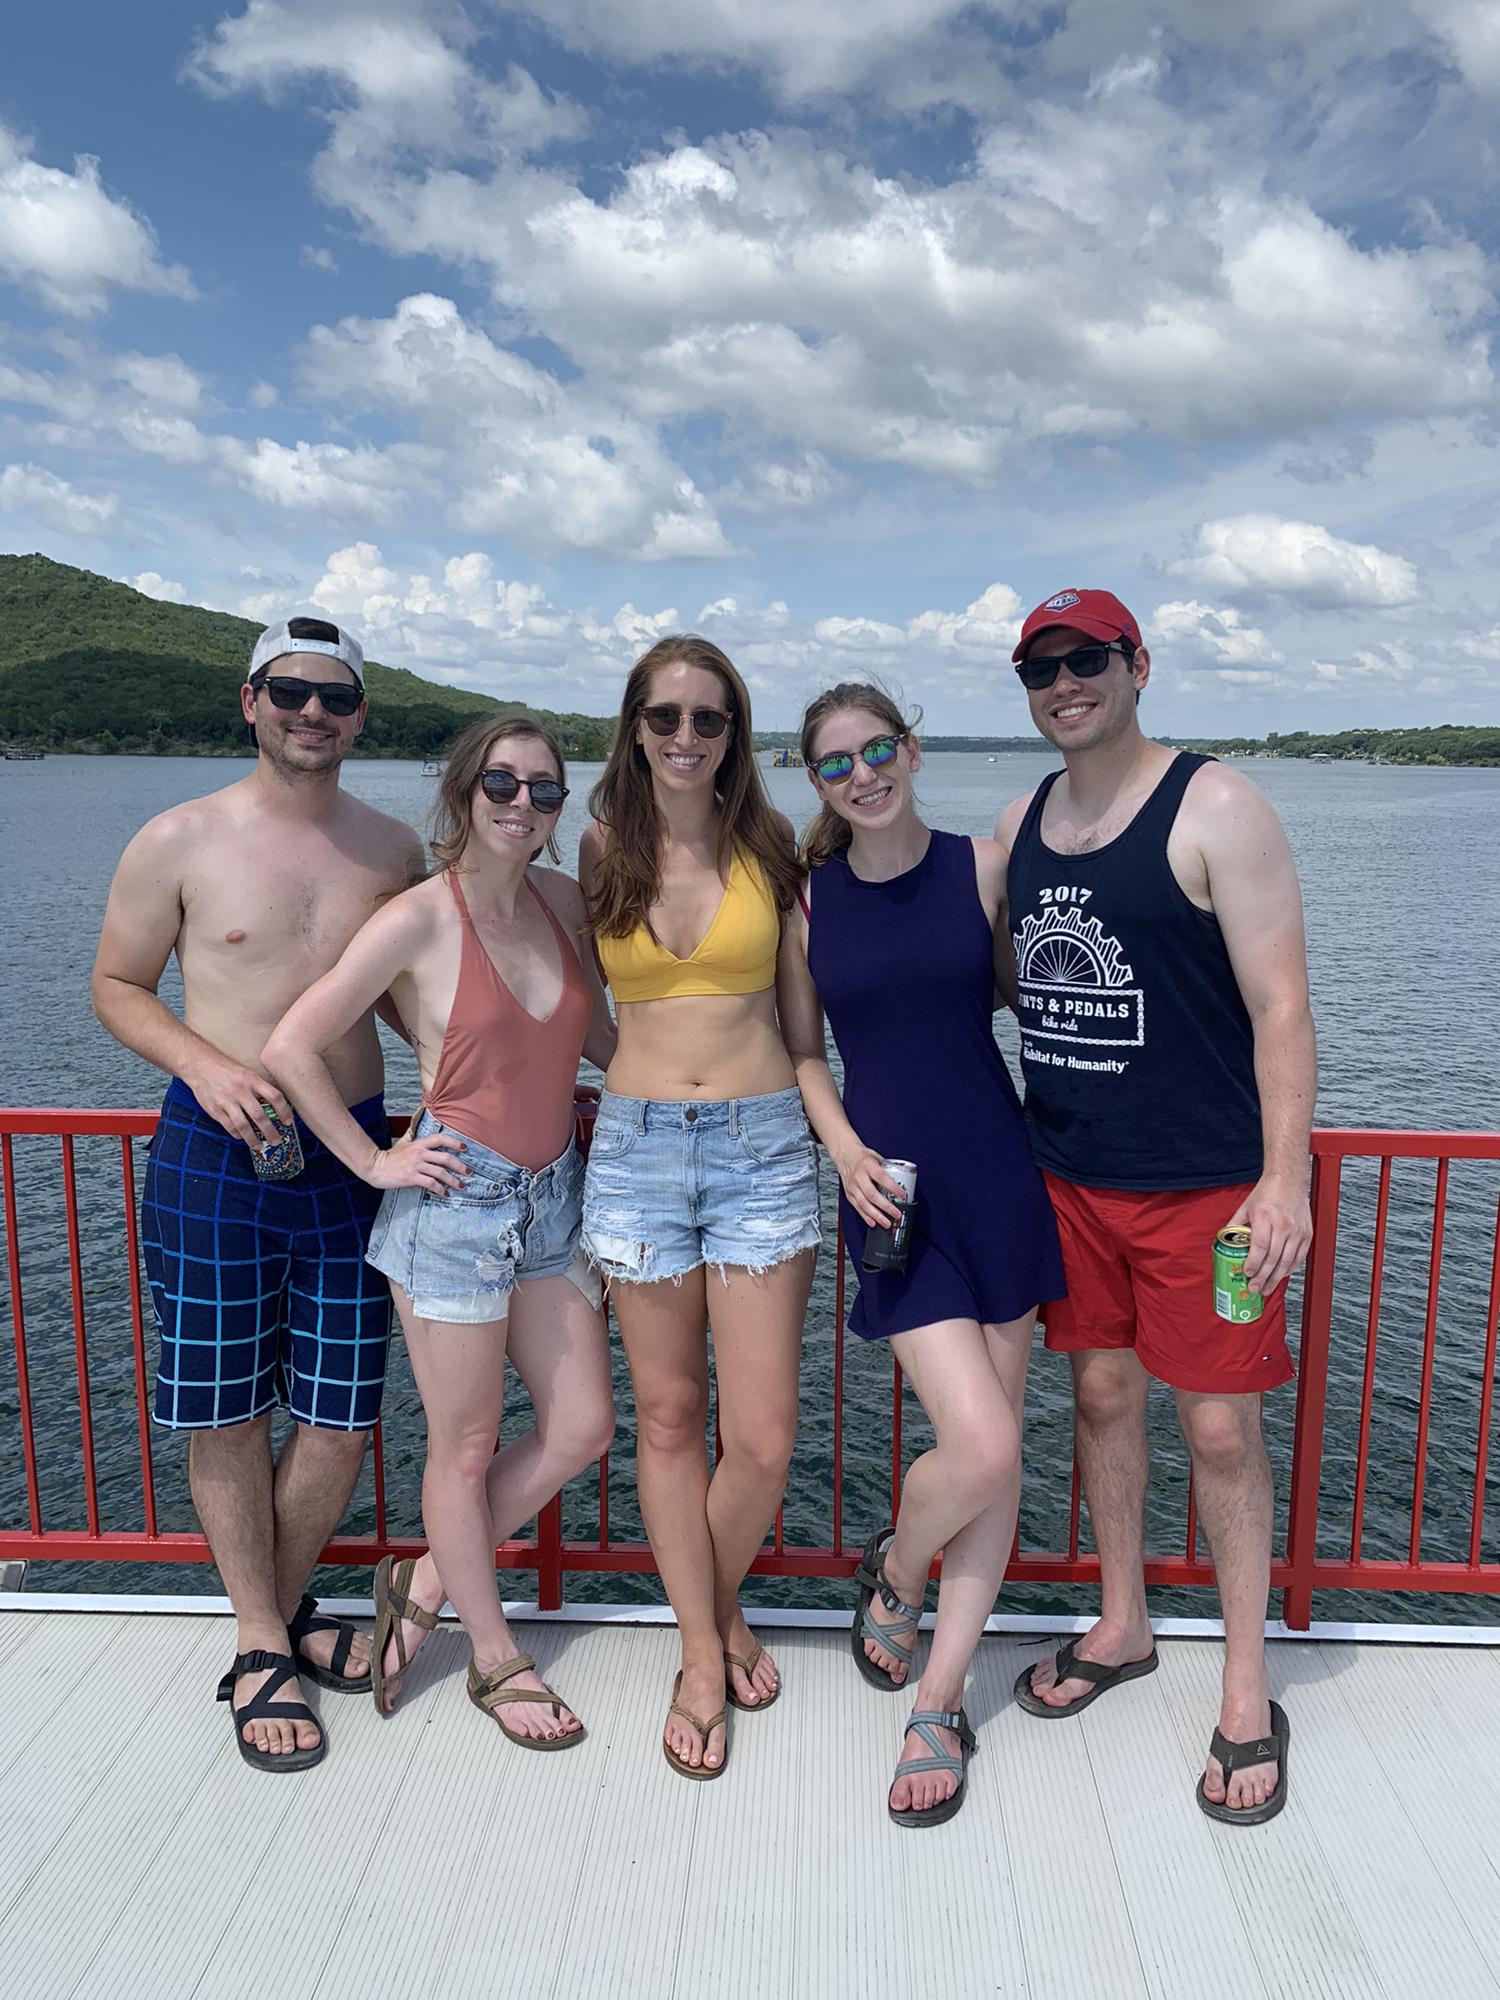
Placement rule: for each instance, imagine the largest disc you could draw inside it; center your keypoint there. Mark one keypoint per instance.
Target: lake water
(1401, 877)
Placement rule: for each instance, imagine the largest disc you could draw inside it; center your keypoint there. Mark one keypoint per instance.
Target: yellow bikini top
(737, 953)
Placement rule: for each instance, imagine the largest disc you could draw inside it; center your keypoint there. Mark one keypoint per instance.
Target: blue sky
(517, 334)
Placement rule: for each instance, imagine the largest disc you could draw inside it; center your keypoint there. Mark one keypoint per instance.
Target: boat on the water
(141, 1856)
(786, 760)
(23, 753)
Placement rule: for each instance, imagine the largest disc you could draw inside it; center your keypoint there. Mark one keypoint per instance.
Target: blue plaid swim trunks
(261, 1288)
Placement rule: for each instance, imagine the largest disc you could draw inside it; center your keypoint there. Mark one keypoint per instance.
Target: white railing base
(769, 1617)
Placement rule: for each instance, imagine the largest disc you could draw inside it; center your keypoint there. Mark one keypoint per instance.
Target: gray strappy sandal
(872, 1581)
(927, 1722)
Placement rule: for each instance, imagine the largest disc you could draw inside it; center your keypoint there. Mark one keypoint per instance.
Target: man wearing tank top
(257, 1267)
(1170, 1070)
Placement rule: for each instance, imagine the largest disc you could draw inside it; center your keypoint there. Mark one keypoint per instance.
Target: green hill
(92, 665)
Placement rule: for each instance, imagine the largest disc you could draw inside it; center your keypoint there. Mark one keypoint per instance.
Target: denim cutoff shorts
(461, 1254)
(673, 1186)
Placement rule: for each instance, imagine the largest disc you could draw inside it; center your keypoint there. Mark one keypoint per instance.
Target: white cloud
(772, 486)
(163, 381)
(64, 236)
(1084, 280)
(1200, 636)
(1080, 280)
(36, 494)
(917, 53)
(263, 395)
(465, 624)
(1389, 663)
(990, 626)
(1471, 29)
(909, 48)
(1261, 555)
(317, 257)
(323, 478)
(400, 70)
(151, 584)
(859, 635)
(542, 463)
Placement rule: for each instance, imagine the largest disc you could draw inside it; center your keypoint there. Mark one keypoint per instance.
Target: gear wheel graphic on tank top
(1065, 948)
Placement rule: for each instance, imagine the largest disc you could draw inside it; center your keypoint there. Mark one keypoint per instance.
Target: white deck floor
(428, 1856)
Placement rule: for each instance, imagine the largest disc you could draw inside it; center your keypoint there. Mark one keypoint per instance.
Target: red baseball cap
(1096, 612)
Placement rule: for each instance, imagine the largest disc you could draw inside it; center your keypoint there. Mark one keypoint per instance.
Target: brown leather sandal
(746, 1662)
(394, 1602)
(705, 1729)
(489, 1692)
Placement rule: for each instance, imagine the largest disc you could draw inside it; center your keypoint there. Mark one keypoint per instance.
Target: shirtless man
(1170, 1070)
(260, 1285)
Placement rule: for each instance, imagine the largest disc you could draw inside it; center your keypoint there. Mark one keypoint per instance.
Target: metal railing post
(1312, 1393)
(549, 1556)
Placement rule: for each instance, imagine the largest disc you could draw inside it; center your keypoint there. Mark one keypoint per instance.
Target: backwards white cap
(277, 640)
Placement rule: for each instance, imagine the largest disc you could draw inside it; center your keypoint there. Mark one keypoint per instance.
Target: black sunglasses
(664, 718)
(288, 691)
(838, 766)
(1084, 662)
(500, 787)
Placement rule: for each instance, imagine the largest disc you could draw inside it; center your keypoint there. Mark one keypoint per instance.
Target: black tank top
(1136, 1047)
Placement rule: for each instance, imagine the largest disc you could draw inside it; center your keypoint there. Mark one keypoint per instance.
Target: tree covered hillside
(89, 664)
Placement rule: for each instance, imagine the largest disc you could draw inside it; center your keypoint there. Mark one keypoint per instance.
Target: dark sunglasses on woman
(1084, 662)
(289, 691)
(500, 787)
(664, 718)
(838, 766)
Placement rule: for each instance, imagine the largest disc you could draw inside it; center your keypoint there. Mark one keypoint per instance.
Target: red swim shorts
(1140, 1274)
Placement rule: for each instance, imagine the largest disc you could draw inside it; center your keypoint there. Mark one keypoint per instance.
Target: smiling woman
(701, 1157)
(494, 981)
(903, 937)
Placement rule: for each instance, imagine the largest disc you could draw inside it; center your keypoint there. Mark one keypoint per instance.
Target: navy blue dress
(905, 971)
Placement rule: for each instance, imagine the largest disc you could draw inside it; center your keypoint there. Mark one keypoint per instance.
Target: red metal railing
(1301, 1565)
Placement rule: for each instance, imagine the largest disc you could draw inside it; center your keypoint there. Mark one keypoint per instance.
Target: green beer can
(1233, 1298)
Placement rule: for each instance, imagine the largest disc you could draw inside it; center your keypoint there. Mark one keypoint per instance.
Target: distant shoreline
(1419, 757)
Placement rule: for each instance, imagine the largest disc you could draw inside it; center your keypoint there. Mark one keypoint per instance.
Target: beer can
(886, 1249)
(1233, 1298)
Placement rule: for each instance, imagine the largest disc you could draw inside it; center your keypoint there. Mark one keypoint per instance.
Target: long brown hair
(624, 800)
(453, 814)
(829, 832)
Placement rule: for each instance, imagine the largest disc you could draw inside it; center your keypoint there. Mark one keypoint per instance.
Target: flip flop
(1071, 1668)
(489, 1692)
(705, 1729)
(308, 1619)
(1238, 1757)
(746, 1662)
(873, 1581)
(393, 1603)
(261, 1708)
(926, 1722)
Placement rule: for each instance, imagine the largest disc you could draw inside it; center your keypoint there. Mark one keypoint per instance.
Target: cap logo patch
(1064, 601)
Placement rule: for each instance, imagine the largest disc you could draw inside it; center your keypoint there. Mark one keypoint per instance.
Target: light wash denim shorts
(460, 1255)
(673, 1186)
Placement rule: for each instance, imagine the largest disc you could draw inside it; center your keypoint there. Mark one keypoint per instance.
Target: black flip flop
(1071, 1668)
(873, 1582)
(1238, 1757)
(261, 1708)
(308, 1619)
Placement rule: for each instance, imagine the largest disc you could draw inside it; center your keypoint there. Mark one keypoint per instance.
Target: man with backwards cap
(260, 1284)
(1170, 1069)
